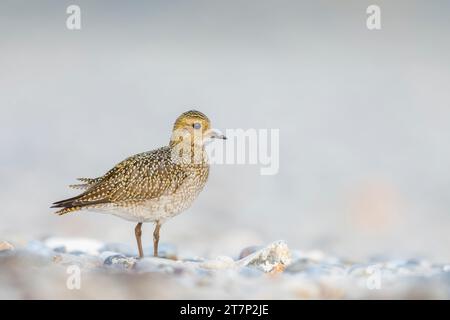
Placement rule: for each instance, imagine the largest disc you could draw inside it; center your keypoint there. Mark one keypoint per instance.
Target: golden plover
(152, 186)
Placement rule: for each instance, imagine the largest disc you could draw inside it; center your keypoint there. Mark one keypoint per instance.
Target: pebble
(273, 258)
(115, 259)
(312, 274)
(6, 246)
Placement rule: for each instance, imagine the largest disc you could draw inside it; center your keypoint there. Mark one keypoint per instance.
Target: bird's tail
(66, 206)
(74, 204)
(66, 210)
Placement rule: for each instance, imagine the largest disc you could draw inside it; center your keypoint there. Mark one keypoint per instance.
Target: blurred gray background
(363, 118)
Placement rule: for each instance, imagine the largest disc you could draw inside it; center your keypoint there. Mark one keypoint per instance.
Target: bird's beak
(215, 134)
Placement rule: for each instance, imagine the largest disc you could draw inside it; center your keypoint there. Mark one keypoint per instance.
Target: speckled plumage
(145, 187)
(151, 186)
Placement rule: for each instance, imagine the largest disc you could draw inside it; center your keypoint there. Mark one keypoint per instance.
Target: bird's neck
(188, 153)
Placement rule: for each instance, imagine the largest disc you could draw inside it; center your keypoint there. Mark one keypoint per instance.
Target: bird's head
(193, 127)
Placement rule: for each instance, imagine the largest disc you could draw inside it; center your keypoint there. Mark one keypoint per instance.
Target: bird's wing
(135, 179)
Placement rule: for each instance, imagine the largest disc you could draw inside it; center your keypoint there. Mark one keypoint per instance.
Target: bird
(152, 186)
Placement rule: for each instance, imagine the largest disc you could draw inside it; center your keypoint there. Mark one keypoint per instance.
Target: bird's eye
(197, 125)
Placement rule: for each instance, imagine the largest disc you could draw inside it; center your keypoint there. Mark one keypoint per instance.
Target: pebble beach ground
(69, 268)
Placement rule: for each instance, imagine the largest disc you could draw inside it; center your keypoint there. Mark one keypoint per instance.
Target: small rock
(273, 258)
(6, 246)
(60, 249)
(117, 260)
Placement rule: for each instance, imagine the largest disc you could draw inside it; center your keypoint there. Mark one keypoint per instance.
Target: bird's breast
(179, 197)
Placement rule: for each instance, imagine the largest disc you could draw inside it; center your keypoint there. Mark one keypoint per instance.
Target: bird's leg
(156, 238)
(138, 233)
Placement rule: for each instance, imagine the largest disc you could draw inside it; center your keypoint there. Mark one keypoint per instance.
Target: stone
(117, 260)
(273, 258)
(6, 246)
